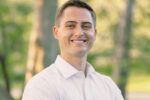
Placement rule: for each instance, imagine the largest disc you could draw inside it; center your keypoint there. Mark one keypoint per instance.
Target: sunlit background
(121, 50)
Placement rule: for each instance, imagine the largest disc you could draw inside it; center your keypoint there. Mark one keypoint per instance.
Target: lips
(78, 41)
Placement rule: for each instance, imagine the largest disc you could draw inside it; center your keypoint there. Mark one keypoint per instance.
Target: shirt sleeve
(117, 91)
(39, 89)
(117, 95)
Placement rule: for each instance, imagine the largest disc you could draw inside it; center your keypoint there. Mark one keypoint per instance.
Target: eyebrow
(70, 22)
(76, 22)
(87, 23)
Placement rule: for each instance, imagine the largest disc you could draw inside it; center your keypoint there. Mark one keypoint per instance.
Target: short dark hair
(74, 3)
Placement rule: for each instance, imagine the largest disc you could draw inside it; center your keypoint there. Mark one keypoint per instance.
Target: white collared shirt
(61, 81)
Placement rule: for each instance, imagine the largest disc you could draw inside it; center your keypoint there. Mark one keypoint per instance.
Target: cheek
(64, 38)
(92, 37)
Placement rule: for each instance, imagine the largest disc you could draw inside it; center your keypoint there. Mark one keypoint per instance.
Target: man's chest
(83, 90)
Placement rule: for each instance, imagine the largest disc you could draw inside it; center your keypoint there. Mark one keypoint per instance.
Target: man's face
(76, 32)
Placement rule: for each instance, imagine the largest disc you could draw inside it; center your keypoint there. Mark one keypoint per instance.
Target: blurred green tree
(12, 28)
(122, 59)
(43, 47)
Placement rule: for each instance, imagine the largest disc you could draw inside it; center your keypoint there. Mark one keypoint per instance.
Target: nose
(79, 31)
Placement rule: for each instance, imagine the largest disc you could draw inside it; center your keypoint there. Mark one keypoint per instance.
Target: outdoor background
(121, 50)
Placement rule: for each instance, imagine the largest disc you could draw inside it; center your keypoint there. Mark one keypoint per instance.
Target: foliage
(14, 28)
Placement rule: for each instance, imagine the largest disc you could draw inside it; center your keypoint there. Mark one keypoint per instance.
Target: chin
(81, 53)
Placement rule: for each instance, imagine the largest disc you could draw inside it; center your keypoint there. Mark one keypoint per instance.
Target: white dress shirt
(61, 81)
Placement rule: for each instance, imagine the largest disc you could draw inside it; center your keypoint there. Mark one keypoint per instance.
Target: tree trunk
(121, 68)
(49, 44)
(4, 95)
(42, 46)
(5, 73)
(3, 57)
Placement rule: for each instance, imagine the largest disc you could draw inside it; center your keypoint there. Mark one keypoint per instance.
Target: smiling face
(76, 32)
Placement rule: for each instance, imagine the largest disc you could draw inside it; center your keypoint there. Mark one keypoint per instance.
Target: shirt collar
(67, 70)
(90, 69)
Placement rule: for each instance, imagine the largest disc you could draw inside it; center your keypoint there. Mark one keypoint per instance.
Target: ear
(95, 33)
(55, 31)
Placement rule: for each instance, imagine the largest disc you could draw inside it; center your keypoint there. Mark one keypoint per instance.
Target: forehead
(76, 14)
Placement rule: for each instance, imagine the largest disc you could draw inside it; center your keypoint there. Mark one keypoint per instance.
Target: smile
(79, 41)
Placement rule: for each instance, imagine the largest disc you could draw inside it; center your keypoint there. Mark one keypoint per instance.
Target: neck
(77, 62)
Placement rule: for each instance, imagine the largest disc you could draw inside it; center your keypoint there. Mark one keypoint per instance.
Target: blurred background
(121, 50)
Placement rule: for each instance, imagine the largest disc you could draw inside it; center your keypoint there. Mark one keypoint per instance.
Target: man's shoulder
(42, 85)
(45, 73)
(46, 76)
(107, 81)
(104, 78)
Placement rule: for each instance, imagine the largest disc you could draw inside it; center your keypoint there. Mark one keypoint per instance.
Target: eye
(86, 26)
(70, 25)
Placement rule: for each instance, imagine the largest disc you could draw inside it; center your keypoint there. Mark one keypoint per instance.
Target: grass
(138, 83)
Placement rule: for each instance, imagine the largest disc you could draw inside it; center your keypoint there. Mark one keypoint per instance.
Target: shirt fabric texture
(61, 81)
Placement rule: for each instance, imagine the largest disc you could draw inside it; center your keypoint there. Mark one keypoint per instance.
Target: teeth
(78, 41)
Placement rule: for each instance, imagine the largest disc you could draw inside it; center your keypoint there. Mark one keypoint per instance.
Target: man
(71, 77)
